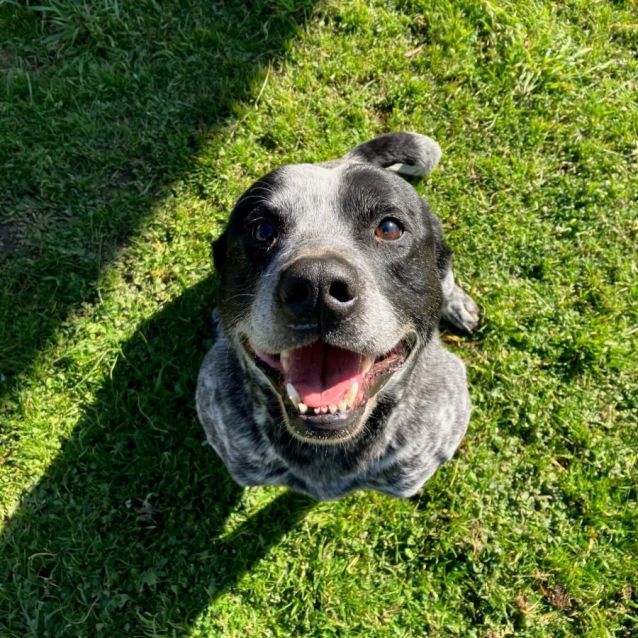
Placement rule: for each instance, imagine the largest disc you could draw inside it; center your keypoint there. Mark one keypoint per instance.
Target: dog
(327, 374)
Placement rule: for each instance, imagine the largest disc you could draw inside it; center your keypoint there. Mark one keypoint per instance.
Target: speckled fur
(416, 422)
(414, 428)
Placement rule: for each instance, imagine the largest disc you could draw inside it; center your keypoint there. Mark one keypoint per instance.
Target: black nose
(318, 290)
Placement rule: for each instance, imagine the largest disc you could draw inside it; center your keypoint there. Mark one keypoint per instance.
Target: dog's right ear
(219, 252)
(410, 154)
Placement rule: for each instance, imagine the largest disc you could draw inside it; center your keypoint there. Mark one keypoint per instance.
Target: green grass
(127, 129)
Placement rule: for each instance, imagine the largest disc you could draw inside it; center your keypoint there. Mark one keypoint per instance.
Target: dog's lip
(374, 373)
(326, 422)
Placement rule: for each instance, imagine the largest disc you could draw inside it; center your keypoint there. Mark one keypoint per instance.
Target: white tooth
(317, 410)
(292, 394)
(343, 406)
(284, 358)
(333, 408)
(303, 408)
(352, 393)
(324, 409)
(368, 362)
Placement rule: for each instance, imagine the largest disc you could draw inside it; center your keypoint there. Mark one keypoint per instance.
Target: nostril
(340, 290)
(296, 292)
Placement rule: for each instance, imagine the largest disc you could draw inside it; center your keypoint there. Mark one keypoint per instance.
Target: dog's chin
(327, 393)
(326, 429)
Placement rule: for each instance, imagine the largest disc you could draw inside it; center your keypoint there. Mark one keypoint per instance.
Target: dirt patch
(557, 597)
(10, 238)
(7, 58)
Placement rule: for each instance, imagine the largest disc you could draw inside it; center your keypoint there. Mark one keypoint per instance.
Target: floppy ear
(219, 252)
(442, 250)
(410, 154)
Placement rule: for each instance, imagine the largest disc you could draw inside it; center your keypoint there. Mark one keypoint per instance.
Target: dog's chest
(400, 451)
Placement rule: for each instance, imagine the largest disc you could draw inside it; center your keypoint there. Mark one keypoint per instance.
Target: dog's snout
(318, 290)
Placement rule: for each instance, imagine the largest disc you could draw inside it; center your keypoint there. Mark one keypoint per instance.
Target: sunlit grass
(128, 131)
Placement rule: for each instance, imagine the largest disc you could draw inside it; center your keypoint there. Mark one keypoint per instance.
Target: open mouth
(325, 387)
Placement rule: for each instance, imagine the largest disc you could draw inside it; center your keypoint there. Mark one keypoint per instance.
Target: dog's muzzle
(326, 389)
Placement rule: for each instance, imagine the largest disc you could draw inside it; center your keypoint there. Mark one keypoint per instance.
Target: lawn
(127, 129)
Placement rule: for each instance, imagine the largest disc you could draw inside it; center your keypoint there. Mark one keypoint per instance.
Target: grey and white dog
(327, 373)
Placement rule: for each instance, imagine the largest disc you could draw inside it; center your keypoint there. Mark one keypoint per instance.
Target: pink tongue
(323, 374)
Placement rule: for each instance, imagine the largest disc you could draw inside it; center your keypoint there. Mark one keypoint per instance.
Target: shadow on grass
(105, 107)
(124, 535)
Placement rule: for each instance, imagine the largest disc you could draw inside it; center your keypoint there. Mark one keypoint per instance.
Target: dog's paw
(461, 310)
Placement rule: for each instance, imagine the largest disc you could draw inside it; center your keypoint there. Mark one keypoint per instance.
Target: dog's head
(330, 282)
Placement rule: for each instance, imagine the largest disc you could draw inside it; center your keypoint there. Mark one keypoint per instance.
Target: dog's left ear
(409, 154)
(219, 252)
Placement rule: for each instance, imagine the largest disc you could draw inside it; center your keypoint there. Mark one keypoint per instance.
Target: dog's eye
(388, 229)
(263, 232)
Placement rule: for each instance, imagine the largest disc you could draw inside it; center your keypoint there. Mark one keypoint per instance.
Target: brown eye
(388, 229)
(264, 233)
